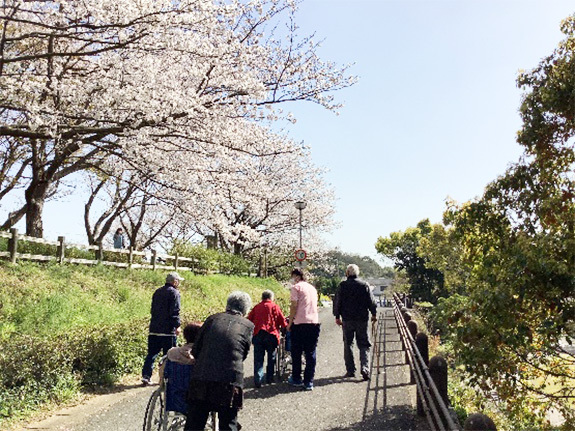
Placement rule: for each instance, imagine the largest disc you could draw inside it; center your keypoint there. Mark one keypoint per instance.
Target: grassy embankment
(67, 329)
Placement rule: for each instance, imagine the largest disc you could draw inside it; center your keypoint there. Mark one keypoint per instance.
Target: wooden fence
(157, 261)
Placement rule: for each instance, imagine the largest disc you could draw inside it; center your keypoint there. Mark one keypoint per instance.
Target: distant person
(119, 241)
(353, 302)
(304, 330)
(217, 379)
(268, 320)
(164, 323)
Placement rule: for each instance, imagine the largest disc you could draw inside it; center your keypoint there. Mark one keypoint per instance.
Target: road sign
(300, 255)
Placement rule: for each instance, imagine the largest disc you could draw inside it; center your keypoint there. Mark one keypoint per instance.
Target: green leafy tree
(426, 283)
(328, 269)
(509, 259)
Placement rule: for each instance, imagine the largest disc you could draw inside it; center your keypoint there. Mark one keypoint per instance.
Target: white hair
(352, 270)
(239, 302)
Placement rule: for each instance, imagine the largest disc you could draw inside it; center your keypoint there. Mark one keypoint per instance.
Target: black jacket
(221, 347)
(354, 300)
(165, 310)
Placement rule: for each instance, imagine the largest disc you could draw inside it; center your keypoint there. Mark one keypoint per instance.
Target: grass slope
(66, 328)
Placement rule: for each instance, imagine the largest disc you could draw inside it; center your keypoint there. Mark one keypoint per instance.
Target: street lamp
(300, 205)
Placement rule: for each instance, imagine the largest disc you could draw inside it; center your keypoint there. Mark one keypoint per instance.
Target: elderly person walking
(353, 302)
(164, 323)
(268, 320)
(304, 329)
(217, 379)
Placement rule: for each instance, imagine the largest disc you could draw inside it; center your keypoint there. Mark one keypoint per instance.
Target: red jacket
(267, 315)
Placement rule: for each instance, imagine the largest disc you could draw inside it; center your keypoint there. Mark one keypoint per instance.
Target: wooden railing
(157, 260)
(430, 377)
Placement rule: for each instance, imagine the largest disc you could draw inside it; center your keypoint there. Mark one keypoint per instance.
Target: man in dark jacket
(164, 324)
(217, 379)
(353, 302)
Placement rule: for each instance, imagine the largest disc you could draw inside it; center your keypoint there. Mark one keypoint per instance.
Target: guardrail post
(412, 328)
(422, 343)
(154, 257)
(176, 261)
(479, 422)
(438, 372)
(61, 250)
(130, 256)
(13, 244)
(407, 317)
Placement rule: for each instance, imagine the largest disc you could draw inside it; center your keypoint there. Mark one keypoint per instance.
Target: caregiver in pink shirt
(304, 330)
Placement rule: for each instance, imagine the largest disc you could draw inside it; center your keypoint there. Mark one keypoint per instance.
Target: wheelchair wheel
(155, 414)
(212, 424)
(177, 422)
(283, 360)
(279, 354)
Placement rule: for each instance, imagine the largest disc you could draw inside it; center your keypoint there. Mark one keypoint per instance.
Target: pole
(300, 228)
(61, 250)
(13, 244)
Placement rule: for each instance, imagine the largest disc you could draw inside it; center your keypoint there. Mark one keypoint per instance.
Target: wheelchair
(283, 357)
(167, 407)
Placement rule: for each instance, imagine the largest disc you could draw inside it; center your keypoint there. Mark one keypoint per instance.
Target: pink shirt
(306, 297)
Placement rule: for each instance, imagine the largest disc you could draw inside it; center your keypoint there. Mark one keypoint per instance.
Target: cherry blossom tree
(151, 83)
(251, 200)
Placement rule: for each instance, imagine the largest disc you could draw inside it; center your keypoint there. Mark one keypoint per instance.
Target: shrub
(211, 261)
(233, 265)
(35, 370)
(80, 253)
(35, 248)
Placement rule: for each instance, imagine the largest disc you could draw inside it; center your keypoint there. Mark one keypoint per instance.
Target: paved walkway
(385, 403)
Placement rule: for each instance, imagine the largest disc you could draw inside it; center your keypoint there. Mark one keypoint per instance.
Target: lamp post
(300, 205)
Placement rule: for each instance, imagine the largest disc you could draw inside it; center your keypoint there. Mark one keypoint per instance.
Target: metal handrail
(436, 411)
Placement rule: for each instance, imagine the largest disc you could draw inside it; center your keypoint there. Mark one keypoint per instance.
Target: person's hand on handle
(374, 318)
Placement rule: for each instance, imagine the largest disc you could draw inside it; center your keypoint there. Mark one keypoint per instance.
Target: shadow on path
(396, 418)
(390, 397)
(269, 391)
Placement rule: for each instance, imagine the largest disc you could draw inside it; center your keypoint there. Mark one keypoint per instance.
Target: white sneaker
(146, 381)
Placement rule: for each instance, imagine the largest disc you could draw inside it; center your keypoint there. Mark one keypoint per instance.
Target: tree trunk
(238, 248)
(35, 194)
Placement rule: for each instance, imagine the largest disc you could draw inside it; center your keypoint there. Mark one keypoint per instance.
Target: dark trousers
(356, 329)
(264, 342)
(156, 344)
(200, 410)
(304, 340)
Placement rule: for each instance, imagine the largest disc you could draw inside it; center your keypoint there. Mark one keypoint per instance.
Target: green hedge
(212, 261)
(52, 369)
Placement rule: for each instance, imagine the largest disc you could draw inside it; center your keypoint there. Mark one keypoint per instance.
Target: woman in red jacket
(268, 319)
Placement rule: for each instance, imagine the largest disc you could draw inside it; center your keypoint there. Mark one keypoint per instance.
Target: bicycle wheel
(154, 419)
